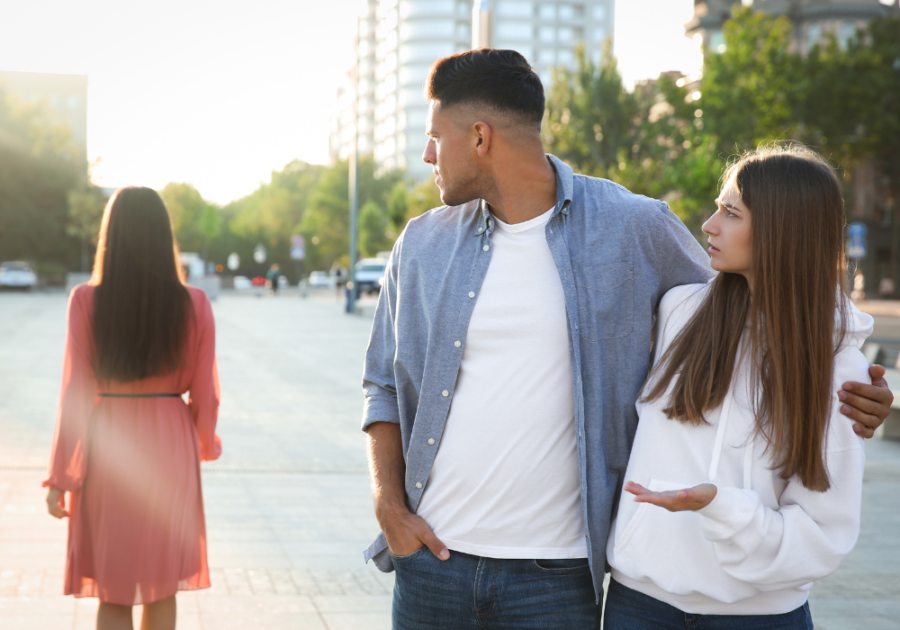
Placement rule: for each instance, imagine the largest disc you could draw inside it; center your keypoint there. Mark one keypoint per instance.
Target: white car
(369, 274)
(17, 275)
(242, 282)
(320, 279)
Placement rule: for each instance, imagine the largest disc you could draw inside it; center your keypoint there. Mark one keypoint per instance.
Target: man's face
(451, 152)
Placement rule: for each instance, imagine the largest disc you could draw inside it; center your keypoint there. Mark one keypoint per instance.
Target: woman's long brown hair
(141, 305)
(797, 220)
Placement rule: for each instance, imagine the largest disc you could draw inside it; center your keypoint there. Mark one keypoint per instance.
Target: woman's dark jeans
(627, 609)
(471, 592)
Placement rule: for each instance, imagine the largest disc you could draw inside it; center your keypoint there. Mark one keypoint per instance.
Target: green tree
(590, 117)
(39, 165)
(326, 221)
(86, 204)
(373, 230)
(187, 209)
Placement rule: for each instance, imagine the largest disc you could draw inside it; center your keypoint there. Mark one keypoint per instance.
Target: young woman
(744, 483)
(127, 448)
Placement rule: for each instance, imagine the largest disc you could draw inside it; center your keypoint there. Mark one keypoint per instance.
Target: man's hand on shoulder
(867, 405)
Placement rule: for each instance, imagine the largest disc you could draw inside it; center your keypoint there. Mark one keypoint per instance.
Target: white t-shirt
(505, 480)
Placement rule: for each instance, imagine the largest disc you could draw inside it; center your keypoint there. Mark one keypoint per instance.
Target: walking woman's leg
(114, 617)
(159, 615)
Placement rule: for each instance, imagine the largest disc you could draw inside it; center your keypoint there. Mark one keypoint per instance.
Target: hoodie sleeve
(810, 534)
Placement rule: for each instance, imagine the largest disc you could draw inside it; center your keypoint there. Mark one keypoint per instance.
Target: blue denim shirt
(617, 254)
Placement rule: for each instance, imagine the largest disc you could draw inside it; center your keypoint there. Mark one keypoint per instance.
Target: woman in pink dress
(127, 448)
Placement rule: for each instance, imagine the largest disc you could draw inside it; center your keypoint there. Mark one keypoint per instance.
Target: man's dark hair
(499, 79)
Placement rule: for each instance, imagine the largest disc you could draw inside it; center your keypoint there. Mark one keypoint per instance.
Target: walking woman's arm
(204, 397)
(68, 455)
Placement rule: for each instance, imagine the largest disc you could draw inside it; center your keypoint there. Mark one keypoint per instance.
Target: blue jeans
(471, 592)
(627, 609)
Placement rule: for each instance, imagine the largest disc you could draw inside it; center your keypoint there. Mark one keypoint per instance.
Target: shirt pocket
(605, 299)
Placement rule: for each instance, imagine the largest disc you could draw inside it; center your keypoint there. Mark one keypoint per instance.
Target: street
(288, 505)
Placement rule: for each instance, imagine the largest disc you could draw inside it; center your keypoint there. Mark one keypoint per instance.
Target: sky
(220, 94)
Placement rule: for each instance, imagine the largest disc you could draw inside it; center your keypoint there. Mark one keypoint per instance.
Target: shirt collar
(564, 185)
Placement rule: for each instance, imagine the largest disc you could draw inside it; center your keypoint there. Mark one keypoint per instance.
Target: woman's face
(729, 233)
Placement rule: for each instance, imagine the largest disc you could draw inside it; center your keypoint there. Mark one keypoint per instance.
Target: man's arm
(867, 405)
(404, 531)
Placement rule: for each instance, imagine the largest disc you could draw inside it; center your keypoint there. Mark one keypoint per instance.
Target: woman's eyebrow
(727, 205)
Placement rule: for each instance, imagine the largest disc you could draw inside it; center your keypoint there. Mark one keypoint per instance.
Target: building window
(547, 34)
(599, 12)
(565, 57)
(717, 42)
(514, 8)
(813, 35)
(513, 30)
(73, 102)
(565, 35)
(546, 56)
(547, 11)
(845, 33)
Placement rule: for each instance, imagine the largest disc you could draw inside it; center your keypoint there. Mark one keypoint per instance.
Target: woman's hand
(56, 502)
(692, 499)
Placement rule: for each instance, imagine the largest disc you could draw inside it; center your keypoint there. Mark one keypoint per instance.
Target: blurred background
(245, 116)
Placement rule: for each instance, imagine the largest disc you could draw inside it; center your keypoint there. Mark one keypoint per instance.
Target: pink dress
(137, 533)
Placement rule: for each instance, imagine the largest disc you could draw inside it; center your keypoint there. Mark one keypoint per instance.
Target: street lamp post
(354, 181)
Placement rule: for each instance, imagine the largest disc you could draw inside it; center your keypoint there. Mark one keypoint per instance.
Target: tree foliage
(39, 165)
(673, 141)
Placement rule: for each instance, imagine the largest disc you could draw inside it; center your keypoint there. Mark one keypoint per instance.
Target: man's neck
(523, 190)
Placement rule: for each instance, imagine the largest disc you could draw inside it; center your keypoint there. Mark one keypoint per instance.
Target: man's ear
(482, 135)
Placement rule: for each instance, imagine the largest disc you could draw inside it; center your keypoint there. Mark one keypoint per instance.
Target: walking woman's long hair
(141, 305)
(796, 225)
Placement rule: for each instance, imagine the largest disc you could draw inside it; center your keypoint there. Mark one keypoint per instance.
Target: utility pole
(354, 181)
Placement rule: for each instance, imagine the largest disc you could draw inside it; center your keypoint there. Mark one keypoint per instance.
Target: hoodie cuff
(728, 513)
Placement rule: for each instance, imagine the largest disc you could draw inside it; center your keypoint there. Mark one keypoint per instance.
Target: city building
(402, 38)
(65, 94)
(811, 18)
(346, 119)
(545, 31)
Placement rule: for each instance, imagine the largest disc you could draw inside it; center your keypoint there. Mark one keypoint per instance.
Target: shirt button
(480, 230)
(419, 485)
(457, 343)
(486, 248)
(431, 441)
(445, 393)
(471, 294)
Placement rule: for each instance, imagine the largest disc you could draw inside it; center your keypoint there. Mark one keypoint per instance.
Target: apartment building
(404, 37)
(65, 94)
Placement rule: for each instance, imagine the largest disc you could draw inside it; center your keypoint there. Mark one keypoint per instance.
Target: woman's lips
(712, 250)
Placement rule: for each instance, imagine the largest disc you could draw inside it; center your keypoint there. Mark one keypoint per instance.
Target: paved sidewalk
(288, 505)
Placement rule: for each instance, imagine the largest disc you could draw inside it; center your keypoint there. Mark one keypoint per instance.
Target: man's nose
(428, 154)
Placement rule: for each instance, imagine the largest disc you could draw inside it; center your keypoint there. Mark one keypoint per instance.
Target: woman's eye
(730, 214)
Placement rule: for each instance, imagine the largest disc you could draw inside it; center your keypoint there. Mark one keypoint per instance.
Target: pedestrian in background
(127, 448)
(272, 278)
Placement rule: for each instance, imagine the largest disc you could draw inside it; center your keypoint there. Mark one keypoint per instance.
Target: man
(510, 341)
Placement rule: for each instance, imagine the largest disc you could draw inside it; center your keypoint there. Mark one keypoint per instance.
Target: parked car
(242, 282)
(17, 275)
(369, 274)
(320, 279)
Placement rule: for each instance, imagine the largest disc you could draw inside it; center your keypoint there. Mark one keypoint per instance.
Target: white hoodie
(759, 545)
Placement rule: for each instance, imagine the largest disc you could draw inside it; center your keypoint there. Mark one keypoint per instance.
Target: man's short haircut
(497, 79)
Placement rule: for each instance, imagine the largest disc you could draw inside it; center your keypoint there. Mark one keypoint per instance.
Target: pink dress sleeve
(204, 388)
(68, 456)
